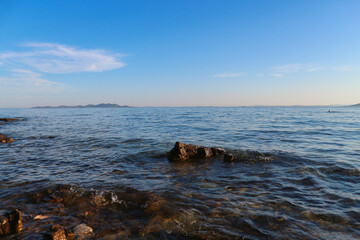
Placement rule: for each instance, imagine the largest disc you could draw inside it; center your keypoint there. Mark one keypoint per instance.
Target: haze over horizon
(179, 53)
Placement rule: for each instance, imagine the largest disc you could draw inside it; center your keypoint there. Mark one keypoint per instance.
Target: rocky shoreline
(64, 213)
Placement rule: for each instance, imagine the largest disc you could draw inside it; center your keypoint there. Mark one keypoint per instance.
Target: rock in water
(11, 223)
(9, 119)
(58, 232)
(184, 152)
(5, 139)
(229, 157)
(4, 225)
(15, 221)
(81, 231)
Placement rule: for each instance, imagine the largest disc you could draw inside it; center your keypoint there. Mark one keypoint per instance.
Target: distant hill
(356, 105)
(101, 105)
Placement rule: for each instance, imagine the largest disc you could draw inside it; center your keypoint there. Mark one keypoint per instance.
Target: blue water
(310, 191)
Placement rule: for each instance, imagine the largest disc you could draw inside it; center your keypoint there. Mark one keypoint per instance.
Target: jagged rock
(186, 152)
(15, 221)
(82, 230)
(183, 152)
(11, 223)
(228, 157)
(58, 232)
(5, 139)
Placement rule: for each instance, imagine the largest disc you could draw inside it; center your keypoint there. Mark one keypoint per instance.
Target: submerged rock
(184, 152)
(47, 137)
(11, 223)
(5, 139)
(254, 156)
(10, 119)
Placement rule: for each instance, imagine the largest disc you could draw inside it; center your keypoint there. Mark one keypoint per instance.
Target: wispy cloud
(346, 68)
(57, 58)
(26, 80)
(281, 70)
(228, 75)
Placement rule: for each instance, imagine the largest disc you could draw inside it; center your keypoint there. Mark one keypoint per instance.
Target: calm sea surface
(109, 168)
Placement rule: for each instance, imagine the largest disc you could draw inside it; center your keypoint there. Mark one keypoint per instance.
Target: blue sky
(179, 53)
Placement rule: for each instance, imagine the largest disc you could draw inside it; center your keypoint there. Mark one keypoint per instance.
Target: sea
(108, 168)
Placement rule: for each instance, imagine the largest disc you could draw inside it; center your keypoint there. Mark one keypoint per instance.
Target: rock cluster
(58, 232)
(187, 152)
(11, 223)
(5, 139)
(184, 152)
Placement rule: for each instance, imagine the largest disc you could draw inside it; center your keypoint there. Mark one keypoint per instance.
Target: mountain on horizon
(355, 105)
(101, 105)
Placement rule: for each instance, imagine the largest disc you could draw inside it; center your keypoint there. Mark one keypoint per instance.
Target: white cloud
(57, 58)
(21, 80)
(228, 75)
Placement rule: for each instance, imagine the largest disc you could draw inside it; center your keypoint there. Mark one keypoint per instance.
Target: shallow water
(110, 169)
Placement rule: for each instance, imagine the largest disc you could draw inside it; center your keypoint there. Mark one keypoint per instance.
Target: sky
(179, 52)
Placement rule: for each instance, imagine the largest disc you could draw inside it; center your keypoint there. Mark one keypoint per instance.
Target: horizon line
(195, 106)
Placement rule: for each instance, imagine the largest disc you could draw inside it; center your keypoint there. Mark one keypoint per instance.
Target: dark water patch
(133, 140)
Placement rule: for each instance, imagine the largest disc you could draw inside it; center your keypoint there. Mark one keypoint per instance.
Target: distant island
(355, 105)
(101, 105)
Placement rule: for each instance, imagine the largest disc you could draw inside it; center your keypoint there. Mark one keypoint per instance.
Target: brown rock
(100, 200)
(217, 151)
(11, 223)
(58, 232)
(4, 225)
(184, 152)
(5, 139)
